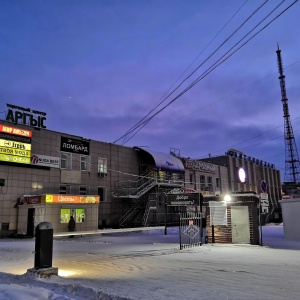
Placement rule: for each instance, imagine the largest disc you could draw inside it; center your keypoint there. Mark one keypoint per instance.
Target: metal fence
(190, 230)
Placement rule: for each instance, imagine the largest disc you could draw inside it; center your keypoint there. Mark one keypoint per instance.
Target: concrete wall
(291, 218)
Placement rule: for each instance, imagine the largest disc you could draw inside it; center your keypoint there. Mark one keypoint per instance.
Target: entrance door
(30, 222)
(240, 225)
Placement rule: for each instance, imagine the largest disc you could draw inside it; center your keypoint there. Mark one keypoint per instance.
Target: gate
(190, 230)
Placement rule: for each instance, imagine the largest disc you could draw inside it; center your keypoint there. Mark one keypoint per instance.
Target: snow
(148, 265)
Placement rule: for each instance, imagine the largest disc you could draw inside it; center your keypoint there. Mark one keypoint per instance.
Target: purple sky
(97, 67)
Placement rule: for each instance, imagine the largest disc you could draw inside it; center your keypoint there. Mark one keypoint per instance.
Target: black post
(43, 246)
(213, 233)
(166, 207)
(260, 229)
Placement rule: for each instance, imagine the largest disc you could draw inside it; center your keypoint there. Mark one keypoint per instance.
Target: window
(85, 163)
(65, 189)
(102, 166)
(217, 182)
(66, 160)
(209, 181)
(102, 193)
(84, 190)
(77, 213)
(202, 181)
(191, 178)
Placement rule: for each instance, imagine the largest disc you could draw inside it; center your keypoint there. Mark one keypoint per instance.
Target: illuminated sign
(46, 161)
(11, 151)
(242, 175)
(17, 138)
(15, 159)
(16, 131)
(15, 145)
(35, 119)
(70, 199)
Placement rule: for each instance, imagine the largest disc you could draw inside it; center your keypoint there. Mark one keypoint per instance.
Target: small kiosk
(235, 221)
(57, 209)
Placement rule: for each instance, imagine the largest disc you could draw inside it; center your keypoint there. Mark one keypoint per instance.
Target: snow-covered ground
(149, 265)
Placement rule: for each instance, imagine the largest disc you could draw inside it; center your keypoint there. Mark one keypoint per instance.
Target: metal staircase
(142, 205)
(150, 214)
(134, 189)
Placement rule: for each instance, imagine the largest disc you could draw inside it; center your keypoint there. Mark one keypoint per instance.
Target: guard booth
(189, 215)
(235, 221)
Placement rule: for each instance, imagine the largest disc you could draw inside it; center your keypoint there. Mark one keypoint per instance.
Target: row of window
(83, 190)
(205, 181)
(85, 163)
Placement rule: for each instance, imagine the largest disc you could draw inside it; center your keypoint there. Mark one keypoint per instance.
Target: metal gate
(190, 230)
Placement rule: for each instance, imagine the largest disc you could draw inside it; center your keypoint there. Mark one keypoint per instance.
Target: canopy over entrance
(165, 162)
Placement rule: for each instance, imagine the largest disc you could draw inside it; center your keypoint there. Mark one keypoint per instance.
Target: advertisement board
(15, 159)
(12, 151)
(15, 145)
(16, 131)
(183, 199)
(50, 198)
(74, 146)
(44, 160)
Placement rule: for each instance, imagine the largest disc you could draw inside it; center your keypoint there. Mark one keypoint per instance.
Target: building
(249, 174)
(48, 176)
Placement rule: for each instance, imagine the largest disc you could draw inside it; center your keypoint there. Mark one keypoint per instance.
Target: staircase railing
(137, 188)
(151, 206)
(128, 215)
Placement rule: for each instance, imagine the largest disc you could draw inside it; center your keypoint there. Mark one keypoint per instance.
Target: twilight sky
(97, 67)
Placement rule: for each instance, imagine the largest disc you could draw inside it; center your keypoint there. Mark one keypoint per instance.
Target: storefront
(57, 209)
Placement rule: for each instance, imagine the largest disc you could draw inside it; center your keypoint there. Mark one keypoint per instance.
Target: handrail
(137, 188)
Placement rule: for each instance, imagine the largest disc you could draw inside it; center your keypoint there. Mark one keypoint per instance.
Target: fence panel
(190, 230)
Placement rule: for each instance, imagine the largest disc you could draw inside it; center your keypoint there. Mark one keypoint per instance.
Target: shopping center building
(49, 176)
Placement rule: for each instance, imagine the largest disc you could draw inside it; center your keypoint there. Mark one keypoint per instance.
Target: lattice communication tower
(292, 165)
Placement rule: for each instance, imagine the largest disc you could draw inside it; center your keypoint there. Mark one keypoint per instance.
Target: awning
(165, 162)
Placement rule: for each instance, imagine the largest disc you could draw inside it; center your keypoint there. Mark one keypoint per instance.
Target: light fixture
(227, 198)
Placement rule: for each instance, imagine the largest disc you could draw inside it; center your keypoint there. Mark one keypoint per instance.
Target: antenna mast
(292, 166)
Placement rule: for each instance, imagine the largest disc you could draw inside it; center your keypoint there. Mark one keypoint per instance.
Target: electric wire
(213, 67)
(168, 95)
(225, 97)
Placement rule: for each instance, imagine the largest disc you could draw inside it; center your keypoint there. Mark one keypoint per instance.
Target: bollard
(43, 246)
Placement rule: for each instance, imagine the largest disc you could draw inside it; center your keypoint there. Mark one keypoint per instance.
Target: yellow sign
(12, 151)
(15, 159)
(15, 145)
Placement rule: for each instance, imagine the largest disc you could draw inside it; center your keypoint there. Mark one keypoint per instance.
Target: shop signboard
(22, 115)
(183, 199)
(30, 199)
(44, 160)
(16, 152)
(15, 145)
(15, 131)
(17, 138)
(15, 159)
(12, 151)
(53, 198)
(74, 146)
